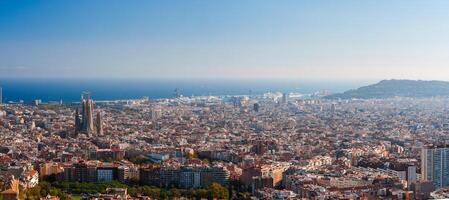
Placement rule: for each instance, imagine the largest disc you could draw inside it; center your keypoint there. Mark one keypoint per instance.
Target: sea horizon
(69, 90)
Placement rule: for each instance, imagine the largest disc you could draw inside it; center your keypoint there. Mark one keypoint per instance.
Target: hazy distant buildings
(435, 165)
(37, 102)
(284, 98)
(1, 95)
(333, 108)
(156, 113)
(256, 107)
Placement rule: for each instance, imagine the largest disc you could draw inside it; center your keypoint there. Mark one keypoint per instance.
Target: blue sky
(344, 40)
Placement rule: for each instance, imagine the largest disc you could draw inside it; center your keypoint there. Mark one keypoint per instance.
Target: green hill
(397, 88)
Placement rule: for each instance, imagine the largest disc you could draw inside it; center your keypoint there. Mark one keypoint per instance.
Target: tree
(218, 191)
(206, 161)
(43, 189)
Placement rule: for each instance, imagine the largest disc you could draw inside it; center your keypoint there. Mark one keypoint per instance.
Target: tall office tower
(333, 107)
(99, 124)
(1, 96)
(256, 107)
(411, 175)
(77, 121)
(284, 98)
(435, 165)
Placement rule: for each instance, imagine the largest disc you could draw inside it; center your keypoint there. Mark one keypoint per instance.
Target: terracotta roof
(32, 173)
(10, 191)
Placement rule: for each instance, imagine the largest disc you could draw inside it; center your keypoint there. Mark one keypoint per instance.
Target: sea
(69, 90)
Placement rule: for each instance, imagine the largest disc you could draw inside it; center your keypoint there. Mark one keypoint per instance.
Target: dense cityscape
(270, 146)
(224, 100)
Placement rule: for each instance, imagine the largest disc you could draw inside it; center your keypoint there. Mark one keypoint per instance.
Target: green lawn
(76, 197)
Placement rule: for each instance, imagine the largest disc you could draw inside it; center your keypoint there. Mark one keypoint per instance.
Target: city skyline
(345, 40)
(238, 100)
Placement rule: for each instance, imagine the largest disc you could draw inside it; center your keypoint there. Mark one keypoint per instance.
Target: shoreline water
(70, 90)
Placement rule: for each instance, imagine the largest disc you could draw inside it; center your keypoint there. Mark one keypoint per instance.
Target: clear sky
(147, 39)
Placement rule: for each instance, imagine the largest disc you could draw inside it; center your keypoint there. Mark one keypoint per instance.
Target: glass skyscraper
(435, 165)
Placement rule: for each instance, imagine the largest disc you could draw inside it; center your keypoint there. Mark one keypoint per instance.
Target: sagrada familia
(84, 123)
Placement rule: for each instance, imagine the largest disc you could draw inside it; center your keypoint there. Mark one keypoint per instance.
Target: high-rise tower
(435, 165)
(256, 107)
(99, 124)
(284, 98)
(77, 121)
